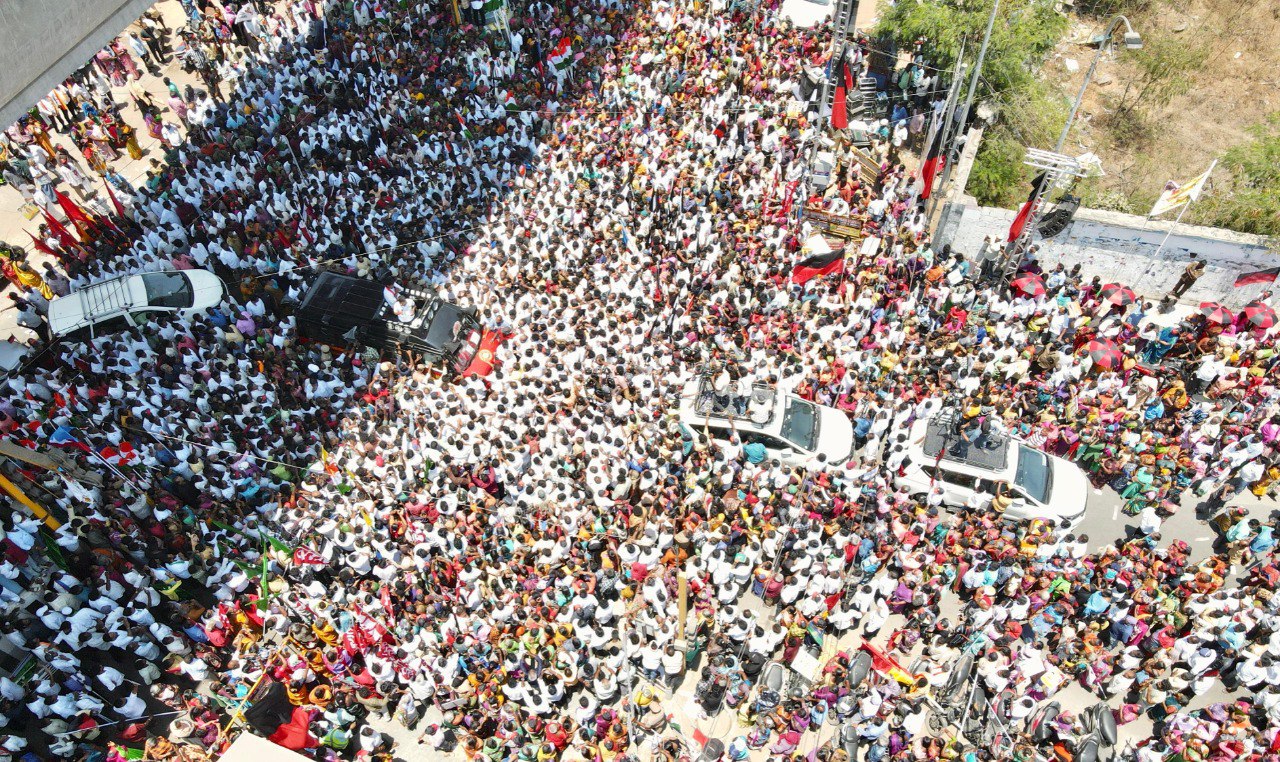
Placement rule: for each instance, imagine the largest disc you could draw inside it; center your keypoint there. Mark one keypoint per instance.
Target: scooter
(848, 737)
(1040, 722)
(1100, 728)
(773, 680)
(859, 669)
(849, 741)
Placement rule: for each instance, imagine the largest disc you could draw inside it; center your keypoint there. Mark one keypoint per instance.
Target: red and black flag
(817, 266)
(933, 158)
(1259, 276)
(1024, 212)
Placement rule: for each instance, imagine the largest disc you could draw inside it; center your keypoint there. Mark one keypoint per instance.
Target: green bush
(1025, 32)
(1246, 197)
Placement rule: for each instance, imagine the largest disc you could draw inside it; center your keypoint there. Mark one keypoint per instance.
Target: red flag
(117, 456)
(302, 556)
(933, 160)
(79, 217)
(840, 106)
(115, 202)
(1020, 221)
(371, 629)
(353, 640)
(72, 211)
(64, 236)
(43, 247)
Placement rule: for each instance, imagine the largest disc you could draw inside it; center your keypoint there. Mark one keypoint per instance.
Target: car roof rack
(938, 438)
(105, 297)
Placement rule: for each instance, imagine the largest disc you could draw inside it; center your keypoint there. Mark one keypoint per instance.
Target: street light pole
(1131, 40)
(1055, 164)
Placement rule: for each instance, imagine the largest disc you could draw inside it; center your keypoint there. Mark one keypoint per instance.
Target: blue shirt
(1097, 604)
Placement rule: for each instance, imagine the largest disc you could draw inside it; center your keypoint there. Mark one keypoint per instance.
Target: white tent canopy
(251, 748)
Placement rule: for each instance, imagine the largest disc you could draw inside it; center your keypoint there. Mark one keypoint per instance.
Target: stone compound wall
(1122, 249)
(42, 42)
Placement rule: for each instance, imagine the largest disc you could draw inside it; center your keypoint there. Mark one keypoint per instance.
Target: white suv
(1042, 486)
(792, 430)
(120, 303)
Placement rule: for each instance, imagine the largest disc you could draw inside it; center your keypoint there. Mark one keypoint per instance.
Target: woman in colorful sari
(1161, 344)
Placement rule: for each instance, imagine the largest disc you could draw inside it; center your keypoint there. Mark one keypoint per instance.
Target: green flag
(277, 545)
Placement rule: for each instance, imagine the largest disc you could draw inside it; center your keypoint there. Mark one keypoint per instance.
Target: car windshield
(800, 424)
(168, 290)
(1033, 475)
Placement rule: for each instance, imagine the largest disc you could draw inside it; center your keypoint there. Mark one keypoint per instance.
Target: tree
(1030, 116)
(1025, 32)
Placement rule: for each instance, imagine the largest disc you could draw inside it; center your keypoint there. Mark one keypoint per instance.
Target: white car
(130, 301)
(792, 430)
(1042, 486)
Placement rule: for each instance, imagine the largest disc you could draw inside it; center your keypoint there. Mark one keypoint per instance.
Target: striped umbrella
(1259, 315)
(1029, 284)
(1216, 313)
(1121, 296)
(1104, 353)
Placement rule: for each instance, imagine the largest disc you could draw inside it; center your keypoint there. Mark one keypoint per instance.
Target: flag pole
(1176, 220)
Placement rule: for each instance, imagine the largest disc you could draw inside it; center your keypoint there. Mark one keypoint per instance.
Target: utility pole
(952, 93)
(973, 88)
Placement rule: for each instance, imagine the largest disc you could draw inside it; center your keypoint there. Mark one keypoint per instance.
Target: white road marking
(1115, 513)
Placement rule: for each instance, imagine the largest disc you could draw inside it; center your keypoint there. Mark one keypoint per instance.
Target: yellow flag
(1177, 196)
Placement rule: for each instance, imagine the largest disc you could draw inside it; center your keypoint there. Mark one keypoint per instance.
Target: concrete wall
(44, 41)
(1122, 248)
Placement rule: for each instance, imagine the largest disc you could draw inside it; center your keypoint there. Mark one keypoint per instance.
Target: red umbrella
(1119, 295)
(1029, 284)
(1259, 315)
(1216, 313)
(1104, 353)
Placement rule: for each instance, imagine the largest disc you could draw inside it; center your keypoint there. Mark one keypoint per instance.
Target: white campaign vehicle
(792, 430)
(130, 301)
(1041, 486)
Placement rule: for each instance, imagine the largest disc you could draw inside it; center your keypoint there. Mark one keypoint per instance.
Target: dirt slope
(1237, 85)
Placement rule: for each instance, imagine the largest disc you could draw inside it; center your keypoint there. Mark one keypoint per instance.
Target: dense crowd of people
(339, 538)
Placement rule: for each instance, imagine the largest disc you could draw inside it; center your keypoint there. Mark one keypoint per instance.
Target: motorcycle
(948, 710)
